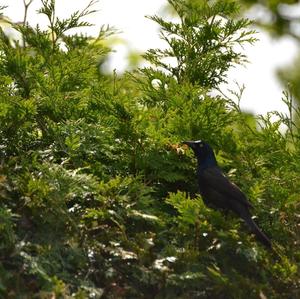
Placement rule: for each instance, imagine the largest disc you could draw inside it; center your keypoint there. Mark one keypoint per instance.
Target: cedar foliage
(97, 198)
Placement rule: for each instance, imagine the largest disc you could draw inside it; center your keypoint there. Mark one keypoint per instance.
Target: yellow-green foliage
(97, 197)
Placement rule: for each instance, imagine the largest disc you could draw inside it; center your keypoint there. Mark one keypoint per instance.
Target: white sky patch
(263, 91)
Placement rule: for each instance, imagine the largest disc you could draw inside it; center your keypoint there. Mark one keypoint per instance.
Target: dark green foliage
(98, 200)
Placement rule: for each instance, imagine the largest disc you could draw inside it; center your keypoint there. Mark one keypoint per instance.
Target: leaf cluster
(98, 199)
(202, 44)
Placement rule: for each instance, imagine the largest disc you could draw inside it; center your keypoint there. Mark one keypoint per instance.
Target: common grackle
(218, 192)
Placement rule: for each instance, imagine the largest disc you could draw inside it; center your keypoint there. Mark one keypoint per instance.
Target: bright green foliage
(202, 42)
(98, 200)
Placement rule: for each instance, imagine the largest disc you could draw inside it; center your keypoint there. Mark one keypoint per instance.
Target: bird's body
(218, 192)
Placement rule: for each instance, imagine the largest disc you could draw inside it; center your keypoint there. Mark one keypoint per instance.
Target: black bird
(218, 192)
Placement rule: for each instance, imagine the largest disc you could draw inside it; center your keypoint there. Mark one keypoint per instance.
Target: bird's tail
(258, 233)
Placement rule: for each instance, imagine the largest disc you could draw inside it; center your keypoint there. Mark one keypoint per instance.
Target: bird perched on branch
(218, 192)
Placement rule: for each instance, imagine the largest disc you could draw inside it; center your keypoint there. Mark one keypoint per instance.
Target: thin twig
(26, 7)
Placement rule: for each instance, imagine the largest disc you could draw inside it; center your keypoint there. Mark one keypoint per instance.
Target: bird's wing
(215, 178)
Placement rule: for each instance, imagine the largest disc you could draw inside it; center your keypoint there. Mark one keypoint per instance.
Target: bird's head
(201, 149)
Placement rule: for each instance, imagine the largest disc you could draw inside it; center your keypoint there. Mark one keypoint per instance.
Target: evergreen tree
(99, 200)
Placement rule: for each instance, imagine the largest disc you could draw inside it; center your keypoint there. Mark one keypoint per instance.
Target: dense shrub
(99, 200)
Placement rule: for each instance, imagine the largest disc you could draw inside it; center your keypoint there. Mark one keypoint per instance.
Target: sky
(263, 92)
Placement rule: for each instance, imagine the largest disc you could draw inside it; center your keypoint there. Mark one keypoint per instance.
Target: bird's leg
(226, 213)
(197, 233)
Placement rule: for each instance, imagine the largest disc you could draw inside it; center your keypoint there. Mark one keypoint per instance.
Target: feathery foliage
(97, 198)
